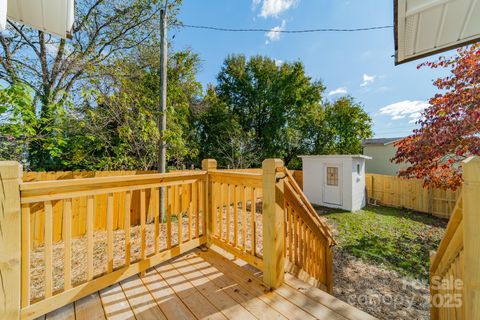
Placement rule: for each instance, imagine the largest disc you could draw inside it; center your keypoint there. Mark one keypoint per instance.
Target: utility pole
(162, 121)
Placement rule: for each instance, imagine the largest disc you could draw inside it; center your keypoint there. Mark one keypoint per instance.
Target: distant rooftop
(380, 141)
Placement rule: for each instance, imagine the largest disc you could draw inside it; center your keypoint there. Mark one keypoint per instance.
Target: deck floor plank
(223, 302)
(250, 302)
(254, 285)
(64, 313)
(206, 285)
(171, 305)
(324, 298)
(89, 307)
(191, 297)
(143, 305)
(115, 303)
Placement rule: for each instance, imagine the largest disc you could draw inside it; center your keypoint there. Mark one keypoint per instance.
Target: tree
(116, 128)
(449, 127)
(268, 101)
(55, 69)
(220, 136)
(347, 124)
(280, 112)
(18, 118)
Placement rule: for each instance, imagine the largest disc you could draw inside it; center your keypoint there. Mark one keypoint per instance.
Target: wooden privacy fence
(244, 213)
(409, 193)
(455, 267)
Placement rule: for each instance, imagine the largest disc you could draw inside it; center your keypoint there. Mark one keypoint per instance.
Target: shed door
(332, 193)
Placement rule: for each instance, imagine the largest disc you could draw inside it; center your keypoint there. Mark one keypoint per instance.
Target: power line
(181, 25)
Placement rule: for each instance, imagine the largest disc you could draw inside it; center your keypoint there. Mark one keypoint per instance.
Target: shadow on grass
(404, 255)
(397, 238)
(424, 218)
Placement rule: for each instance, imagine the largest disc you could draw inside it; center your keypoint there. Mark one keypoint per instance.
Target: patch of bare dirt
(381, 292)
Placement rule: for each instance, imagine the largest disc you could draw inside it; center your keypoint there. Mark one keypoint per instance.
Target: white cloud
(255, 3)
(341, 90)
(274, 34)
(278, 62)
(272, 8)
(407, 108)
(367, 80)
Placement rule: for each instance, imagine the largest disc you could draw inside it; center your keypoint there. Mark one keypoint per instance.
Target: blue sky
(359, 64)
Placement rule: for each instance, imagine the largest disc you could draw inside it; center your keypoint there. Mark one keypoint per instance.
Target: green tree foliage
(118, 122)
(277, 111)
(56, 69)
(18, 121)
(92, 102)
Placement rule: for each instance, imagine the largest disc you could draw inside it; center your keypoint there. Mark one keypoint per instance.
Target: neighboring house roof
(329, 156)
(427, 27)
(380, 141)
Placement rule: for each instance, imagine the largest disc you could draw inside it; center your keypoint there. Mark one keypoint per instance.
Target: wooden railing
(236, 213)
(250, 214)
(455, 267)
(52, 280)
(308, 240)
(79, 205)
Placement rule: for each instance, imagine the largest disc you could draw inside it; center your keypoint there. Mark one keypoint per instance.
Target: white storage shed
(336, 181)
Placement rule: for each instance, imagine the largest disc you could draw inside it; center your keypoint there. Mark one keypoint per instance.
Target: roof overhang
(3, 15)
(331, 156)
(52, 16)
(427, 27)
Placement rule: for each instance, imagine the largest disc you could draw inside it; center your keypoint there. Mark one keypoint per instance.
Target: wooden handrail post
(471, 237)
(10, 239)
(207, 165)
(273, 233)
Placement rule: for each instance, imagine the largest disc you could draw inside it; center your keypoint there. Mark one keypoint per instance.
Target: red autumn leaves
(450, 128)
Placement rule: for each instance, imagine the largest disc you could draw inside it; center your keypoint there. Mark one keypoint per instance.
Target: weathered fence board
(409, 193)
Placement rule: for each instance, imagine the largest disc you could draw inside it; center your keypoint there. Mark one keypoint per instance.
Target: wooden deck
(206, 285)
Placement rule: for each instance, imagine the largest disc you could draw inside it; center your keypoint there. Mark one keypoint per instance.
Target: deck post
(207, 165)
(471, 237)
(272, 218)
(10, 239)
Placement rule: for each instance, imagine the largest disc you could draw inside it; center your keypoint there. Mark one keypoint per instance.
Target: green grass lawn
(397, 238)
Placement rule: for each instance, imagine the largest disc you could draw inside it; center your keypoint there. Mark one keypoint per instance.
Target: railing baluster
(228, 213)
(48, 249)
(189, 210)
(243, 190)
(215, 208)
(126, 216)
(290, 234)
(295, 239)
(196, 208)
(110, 232)
(235, 215)
(178, 199)
(90, 212)
(253, 225)
(67, 238)
(25, 255)
(170, 195)
(155, 194)
(220, 212)
(285, 227)
(143, 214)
